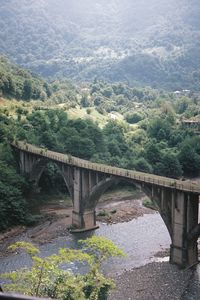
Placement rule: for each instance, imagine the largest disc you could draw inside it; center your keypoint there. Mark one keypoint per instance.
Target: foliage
(159, 129)
(168, 166)
(134, 118)
(48, 277)
(127, 46)
(142, 165)
(149, 204)
(102, 248)
(13, 207)
(18, 83)
(189, 156)
(12, 211)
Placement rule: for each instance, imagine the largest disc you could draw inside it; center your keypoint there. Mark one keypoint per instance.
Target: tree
(134, 117)
(189, 158)
(182, 104)
(13, 207)
(85, 102)
(168, 166)
(142, 165)
(152, 152)
(160, 129)
(28, 89)
(46, 278)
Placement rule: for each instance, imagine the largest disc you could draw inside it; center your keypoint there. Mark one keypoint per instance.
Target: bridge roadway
(177, 201)
(187, 186)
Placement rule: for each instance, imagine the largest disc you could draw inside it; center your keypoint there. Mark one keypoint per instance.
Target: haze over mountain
(143, 42)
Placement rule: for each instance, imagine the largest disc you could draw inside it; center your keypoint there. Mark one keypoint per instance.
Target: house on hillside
(192, 124)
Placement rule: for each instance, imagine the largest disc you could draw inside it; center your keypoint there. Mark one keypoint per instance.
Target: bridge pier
(183, 252)
(84, 221)
(83, 217)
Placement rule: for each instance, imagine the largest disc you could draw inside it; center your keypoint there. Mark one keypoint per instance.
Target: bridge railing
(124, 173)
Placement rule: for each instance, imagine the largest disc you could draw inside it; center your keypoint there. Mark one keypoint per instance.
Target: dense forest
(20, 84)
(142, 129)
(128, 41)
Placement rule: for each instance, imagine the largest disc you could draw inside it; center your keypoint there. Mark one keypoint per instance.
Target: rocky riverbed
(153, 281)
(56, 217)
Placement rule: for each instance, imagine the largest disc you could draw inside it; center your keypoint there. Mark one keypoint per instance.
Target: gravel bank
(159, 281)
(57, 217)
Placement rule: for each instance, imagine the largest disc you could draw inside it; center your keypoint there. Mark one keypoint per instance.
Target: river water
(140, 238)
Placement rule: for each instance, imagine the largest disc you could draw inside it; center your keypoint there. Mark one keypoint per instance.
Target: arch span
(39, 166)
(158, 197)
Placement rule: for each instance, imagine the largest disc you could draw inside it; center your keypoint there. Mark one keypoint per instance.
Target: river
(141, 239)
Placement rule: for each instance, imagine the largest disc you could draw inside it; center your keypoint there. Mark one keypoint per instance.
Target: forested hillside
(135, 128)
(155, 44)
(18, 83)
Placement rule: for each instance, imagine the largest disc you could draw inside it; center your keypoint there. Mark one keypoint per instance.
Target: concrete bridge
(177, 201)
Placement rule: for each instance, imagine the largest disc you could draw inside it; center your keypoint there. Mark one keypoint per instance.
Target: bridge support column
(184, 218)
(83, 218)
(192, 222)
(84, 221)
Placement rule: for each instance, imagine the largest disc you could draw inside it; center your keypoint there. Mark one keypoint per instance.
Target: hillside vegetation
(18, 83)
(135, 128)
(148, 42)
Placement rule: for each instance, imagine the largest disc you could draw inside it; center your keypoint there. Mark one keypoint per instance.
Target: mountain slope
(141, 42)
(19, 83)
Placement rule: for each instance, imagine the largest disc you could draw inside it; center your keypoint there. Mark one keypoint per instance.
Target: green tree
(28, 89)
(152, 152)
(134, 117)
(168, 166)
(46, 278)
(160, 129)
(85, 102)
(189, 158)
(182, 104)
(142, 165)
(13, 207)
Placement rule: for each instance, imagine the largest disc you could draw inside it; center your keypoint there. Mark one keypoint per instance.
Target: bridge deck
(187, 186)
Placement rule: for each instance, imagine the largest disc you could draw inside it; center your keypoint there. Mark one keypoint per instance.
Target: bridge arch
(155, 195)
(98, 190)
(39, 167)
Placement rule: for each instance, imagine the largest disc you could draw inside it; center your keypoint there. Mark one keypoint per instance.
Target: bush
(134, 118)
(13, 207)
(149, 204)
(46, 278)
(143, 166)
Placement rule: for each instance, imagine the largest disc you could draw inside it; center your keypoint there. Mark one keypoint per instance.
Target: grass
(103, 213)
(149, 204)
(94, 115)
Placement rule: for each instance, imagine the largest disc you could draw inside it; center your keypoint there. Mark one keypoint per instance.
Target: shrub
(46, 278)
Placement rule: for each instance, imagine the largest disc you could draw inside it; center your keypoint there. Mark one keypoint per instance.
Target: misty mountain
(142, 42)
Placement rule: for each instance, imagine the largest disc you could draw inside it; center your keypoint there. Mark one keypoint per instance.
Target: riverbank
(56, 217)
(153, 281)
